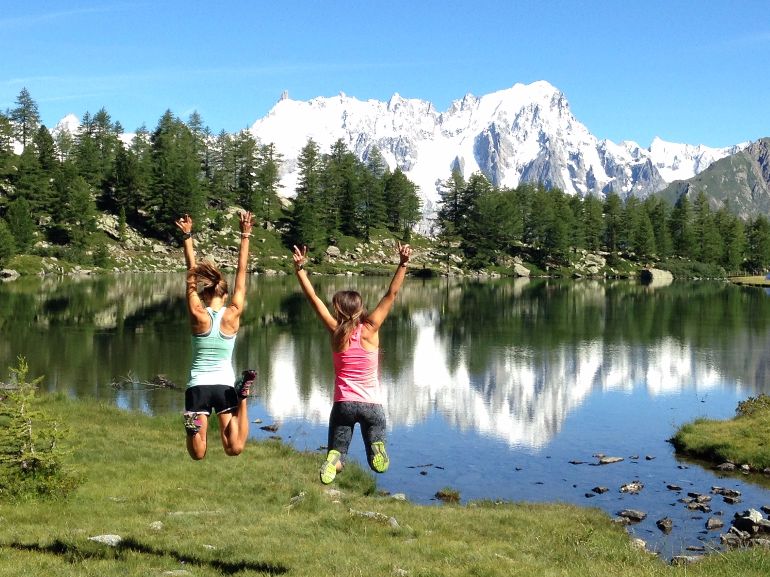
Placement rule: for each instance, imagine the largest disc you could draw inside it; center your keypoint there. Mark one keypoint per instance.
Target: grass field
(265, 513)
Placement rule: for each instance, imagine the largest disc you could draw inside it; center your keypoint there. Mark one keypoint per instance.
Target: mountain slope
(742, 178)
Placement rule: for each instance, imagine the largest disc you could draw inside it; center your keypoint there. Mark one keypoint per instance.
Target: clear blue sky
(688, 71)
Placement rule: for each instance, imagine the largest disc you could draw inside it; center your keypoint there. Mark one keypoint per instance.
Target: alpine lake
(499, 389)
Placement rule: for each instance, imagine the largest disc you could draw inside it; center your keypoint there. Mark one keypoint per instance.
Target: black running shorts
(210, 398)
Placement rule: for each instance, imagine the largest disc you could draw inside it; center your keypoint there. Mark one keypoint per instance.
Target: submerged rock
(633, 515)
(632, 487)
(665, 524)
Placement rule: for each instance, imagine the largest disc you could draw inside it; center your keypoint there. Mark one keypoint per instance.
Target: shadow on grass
(75, 554)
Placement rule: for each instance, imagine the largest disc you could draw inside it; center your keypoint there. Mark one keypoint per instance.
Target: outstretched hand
(299, 256)
(404, 252)
(184, 224)
(246, 222)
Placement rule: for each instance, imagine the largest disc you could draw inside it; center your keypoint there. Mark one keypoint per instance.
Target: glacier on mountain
(526, 133)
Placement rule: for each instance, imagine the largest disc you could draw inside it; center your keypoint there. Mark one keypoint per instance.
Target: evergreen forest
(55, 186)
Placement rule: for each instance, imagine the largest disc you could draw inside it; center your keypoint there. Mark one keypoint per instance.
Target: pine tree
(450, 197)
(20, 224)
(577, 232)
(373, 191)
(140, 179)
(31, 456)
(7, 243)
(25, 118)
(540, 217)
(758, 249)
(306, 226)
(557, 235)
(682, 234)
(86, 152)
(658, 211)
(80, 213)
(223, 182)
(708, 240)
(268, 182)
(402, 203)
(612, 222)
(340, 194)
(31, 182)
(175, 188)
(473, 225)
(732, 232)
(246, 166)
(644, 242)
(629, 224)
(592, 222)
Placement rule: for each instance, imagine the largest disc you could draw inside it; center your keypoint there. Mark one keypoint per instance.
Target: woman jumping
(214, 323)
(355, 349)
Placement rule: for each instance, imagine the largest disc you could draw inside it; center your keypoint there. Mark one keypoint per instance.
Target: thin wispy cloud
(33, 19)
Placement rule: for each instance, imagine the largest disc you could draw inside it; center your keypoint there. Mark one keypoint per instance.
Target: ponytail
(349, 312)
(214, 284)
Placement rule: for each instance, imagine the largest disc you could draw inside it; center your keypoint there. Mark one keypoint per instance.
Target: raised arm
(239, 291)
(198, 315)
(300, 257)
(380, 313)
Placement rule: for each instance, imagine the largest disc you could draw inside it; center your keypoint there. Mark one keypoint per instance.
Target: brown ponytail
(350, 312)
(214, 284)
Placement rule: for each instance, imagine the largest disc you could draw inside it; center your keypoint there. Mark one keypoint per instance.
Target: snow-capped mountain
(525, 133)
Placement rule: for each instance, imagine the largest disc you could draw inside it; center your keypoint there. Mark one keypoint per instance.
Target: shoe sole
(380, 460)
(328, 470)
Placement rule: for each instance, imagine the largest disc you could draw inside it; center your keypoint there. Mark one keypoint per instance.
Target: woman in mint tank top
(355, 344)
(214, 323)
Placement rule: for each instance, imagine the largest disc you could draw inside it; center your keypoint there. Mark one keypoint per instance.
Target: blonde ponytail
(214, 284)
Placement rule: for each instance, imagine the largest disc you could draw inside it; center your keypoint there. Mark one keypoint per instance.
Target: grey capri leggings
(343, 419)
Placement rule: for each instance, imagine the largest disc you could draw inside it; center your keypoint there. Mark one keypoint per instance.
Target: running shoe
(192, 422)
(329, 468)
(244, 382)
(380, 461)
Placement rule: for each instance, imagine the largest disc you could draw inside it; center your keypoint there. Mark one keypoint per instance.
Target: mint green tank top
(212, 362)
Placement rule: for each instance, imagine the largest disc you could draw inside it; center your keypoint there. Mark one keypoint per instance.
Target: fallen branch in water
(131, 381)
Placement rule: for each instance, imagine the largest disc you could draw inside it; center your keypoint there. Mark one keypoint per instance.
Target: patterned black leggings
(343, 419)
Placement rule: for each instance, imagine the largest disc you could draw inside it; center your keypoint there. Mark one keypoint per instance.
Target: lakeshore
(143, 507)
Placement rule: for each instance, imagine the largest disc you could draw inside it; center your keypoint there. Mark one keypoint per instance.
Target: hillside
(742, 179)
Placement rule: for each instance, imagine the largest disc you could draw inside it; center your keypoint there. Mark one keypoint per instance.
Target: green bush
(31, 455)
(753, 406)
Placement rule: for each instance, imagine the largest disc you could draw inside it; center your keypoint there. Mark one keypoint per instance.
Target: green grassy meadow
(266, 513)
(743, 440)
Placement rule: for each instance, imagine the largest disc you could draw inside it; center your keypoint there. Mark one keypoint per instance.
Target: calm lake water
(493, 387)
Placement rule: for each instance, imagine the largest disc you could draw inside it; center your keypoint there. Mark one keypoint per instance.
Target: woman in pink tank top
(355, 344)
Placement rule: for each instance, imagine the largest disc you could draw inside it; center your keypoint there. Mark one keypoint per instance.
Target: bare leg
(234, 429)
(196, 444)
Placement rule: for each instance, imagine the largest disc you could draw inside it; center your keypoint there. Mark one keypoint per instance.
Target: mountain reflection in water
(492, 386)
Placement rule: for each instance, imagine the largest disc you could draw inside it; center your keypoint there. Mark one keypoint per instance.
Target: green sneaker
(192, 422)
(380, 459)
(329, 468)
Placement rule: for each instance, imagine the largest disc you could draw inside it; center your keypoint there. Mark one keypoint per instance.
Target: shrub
(31, 457)
(753, 406)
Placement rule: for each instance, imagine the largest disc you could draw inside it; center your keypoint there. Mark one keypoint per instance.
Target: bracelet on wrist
(299, 267)
(187, 235)
(245, 234)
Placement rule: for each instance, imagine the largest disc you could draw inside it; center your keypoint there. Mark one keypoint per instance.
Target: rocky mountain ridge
(526, 133)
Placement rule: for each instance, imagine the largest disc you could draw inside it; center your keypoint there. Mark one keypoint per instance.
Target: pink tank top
(355, 371)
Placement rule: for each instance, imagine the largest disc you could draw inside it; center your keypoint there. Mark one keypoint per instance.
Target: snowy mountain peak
(525, 133)
(69, 123)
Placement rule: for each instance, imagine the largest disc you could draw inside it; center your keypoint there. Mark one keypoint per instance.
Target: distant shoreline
(750, 280)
